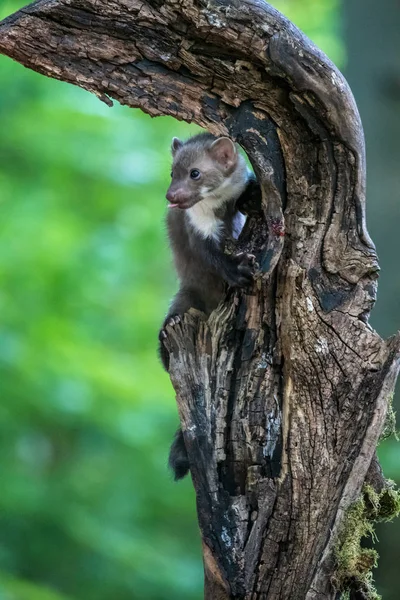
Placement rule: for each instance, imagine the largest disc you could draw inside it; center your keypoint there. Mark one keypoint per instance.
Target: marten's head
(205, 168)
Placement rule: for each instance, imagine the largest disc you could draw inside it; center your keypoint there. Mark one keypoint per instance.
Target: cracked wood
(282, 393)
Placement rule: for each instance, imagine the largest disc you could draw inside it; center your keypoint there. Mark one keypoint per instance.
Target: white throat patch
(203, 219)
(202, 215)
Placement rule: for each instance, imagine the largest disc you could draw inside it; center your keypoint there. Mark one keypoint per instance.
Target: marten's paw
(243, 270)
(171, 321)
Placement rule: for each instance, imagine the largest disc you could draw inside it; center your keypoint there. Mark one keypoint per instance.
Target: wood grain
(283, 392)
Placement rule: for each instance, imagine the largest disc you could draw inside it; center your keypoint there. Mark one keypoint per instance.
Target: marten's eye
(195, 174)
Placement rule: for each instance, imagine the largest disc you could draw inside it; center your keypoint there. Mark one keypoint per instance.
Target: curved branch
(282, 392)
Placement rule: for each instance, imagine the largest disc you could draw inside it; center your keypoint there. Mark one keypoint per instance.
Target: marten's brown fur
(210, 181)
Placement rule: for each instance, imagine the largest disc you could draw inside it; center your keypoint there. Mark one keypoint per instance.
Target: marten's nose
(171, 195)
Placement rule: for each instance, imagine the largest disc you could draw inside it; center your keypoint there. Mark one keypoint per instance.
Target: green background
(88, 510)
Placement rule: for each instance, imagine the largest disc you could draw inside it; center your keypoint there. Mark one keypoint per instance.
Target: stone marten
(210, 183)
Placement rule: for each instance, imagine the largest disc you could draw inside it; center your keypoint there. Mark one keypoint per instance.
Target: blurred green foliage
(88, 510)
(321, 21)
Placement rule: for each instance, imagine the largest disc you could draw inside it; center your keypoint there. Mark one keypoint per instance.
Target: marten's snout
(177, 196)
(171, 195)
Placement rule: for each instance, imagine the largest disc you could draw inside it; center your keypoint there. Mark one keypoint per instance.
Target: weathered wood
(283, 392)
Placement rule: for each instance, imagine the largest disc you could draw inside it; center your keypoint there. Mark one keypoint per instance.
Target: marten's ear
(223, 150)
(175, 145)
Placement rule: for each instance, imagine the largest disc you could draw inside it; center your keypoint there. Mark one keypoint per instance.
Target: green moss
(389, 428)
(353, 562)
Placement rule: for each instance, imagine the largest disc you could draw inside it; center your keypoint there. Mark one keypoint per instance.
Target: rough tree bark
(283, 392)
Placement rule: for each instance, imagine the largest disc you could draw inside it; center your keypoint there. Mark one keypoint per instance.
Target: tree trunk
(283, 391)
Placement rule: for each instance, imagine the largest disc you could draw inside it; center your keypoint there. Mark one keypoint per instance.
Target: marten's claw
(171, 322)
(174, 320)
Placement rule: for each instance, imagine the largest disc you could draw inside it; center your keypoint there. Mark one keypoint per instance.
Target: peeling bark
(282, 392)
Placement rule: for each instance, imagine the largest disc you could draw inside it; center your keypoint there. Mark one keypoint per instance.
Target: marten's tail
(178, 459)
